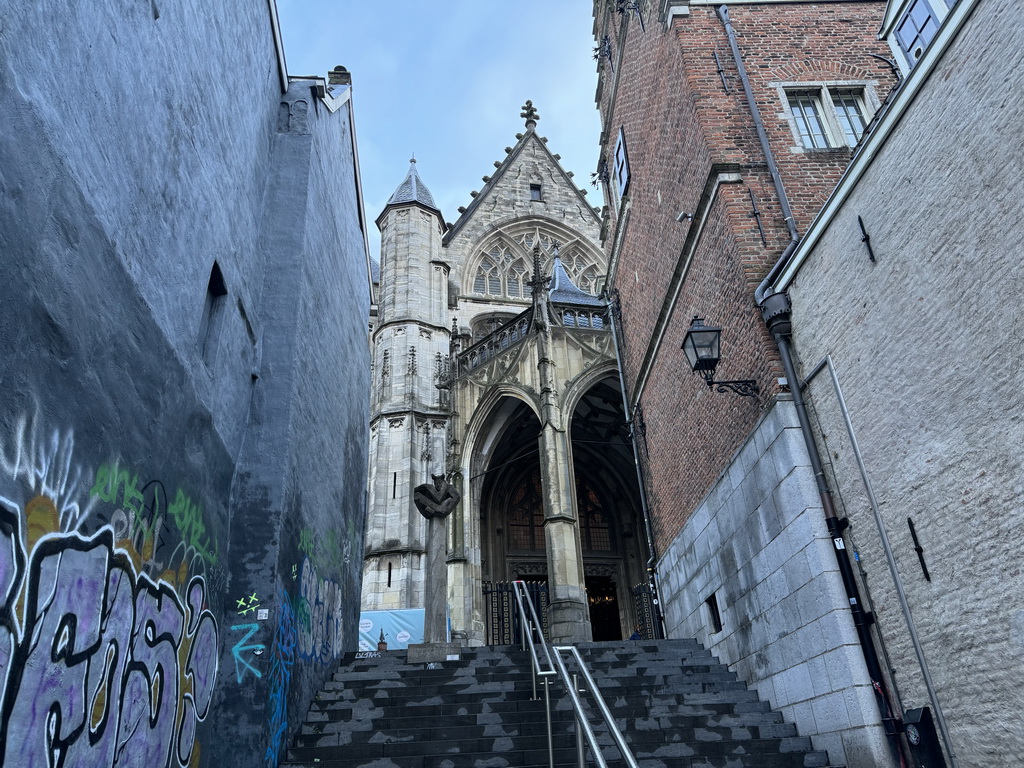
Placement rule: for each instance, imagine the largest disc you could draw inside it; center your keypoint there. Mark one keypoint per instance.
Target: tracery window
(526, 515)
(505, 266)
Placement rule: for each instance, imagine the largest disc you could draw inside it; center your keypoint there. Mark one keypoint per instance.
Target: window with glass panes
(827, 117)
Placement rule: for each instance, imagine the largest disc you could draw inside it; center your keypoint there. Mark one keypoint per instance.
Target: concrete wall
(926, 347)
(180, 474)
(759, 545)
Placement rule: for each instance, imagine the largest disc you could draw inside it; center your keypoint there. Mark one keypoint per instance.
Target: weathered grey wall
(759, 544)
(926, 344)
(167, 503)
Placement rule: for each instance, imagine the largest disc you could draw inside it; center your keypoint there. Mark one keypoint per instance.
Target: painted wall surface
(758, 543)
(925, 343)
(181, 475)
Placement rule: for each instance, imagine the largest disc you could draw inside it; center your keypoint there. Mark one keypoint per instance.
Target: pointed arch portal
(511, 513)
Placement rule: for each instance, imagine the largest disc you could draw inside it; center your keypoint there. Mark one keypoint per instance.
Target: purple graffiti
(320, 616)
(98, 674)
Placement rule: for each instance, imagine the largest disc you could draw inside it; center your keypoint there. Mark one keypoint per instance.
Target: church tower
(407, 422)
(494, 365)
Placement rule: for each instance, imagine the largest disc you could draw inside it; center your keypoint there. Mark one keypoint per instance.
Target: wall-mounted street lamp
(702, 345)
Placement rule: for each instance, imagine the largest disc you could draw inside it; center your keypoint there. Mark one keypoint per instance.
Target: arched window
(526, 515)
(488, 277)
(595, 532)
(581, 269)
(518, 275)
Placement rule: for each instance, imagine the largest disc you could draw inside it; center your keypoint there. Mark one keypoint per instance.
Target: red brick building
(725, 128)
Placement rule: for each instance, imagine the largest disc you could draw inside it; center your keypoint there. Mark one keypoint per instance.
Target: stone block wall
(924, 341)
(758, 547)
(182, 445)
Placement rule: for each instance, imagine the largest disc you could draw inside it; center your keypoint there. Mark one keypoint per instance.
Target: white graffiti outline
(45, 465)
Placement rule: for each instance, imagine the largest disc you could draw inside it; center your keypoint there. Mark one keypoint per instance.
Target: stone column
(568, 613)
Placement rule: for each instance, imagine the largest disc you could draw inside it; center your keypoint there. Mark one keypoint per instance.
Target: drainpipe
(775, 310)
(614, 314)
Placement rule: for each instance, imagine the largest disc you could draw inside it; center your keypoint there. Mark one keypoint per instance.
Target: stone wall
(182, 432)
(925, 345)
(758, 547)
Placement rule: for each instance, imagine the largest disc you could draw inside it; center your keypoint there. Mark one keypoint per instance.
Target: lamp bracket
(743, 388)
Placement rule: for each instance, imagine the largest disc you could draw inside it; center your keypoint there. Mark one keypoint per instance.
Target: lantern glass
(701, 345)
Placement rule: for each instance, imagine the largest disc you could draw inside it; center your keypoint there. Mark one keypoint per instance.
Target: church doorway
(607, 507)
(602, 595)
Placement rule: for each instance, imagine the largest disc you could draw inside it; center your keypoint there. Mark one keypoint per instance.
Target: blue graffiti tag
(242, 664)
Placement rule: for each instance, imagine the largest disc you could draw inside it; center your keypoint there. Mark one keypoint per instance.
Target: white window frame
(898, 13)
(822, 92)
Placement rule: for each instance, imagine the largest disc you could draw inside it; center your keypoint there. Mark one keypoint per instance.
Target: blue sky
(447, 80)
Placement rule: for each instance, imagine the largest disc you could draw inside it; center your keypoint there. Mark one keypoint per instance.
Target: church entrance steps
(675, 704)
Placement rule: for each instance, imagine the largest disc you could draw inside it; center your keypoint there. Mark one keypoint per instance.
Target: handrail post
(547, 711)
(581, 756)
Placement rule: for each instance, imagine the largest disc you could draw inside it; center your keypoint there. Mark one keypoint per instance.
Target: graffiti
(281, 660)
(189, 519)
(319, 616)
(242, 664)
(306, 545)
(247, 604)
(100, 664)
(43, 462)
(332, 550)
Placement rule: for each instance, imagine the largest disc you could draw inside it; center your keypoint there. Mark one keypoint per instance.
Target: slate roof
(413, 190)
(562, 290)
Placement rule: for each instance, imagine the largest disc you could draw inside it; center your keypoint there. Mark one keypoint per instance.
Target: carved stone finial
(530, 114)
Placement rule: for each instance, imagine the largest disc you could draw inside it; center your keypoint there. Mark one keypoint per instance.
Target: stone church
(494, 364)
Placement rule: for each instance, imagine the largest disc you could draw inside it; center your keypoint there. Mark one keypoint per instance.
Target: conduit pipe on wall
(889, 555)
(614, 314)
(775, 310)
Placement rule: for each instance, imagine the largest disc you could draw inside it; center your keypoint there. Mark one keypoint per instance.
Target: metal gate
(502, 618)
(643, 607)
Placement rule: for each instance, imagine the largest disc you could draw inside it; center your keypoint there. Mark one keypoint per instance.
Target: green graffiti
(189, 519)
(111, 479)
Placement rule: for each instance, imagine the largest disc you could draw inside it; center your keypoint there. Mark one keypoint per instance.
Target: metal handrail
(528, 627)
(557, 667)
(577, 705)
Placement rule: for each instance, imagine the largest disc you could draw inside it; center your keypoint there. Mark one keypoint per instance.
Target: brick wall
(682, 126)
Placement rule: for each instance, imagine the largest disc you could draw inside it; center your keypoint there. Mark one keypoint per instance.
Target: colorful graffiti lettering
(281, 660)
(242, 648)
(104, 666)
(320, 616)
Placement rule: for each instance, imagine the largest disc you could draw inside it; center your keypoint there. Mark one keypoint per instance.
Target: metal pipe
(602, 707)
(546, 682)
(777, 313)
(762, 136)
(581, 756)
(890, 559)
(615, 315)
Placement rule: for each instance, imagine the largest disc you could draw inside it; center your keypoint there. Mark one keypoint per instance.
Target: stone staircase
(675, 703)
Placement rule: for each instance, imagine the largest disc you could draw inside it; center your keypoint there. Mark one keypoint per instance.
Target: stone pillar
(568, 613)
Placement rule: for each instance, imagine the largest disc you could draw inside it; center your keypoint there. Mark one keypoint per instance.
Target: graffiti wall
(108, 647)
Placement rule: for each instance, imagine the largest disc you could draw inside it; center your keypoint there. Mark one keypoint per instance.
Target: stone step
(676, 704)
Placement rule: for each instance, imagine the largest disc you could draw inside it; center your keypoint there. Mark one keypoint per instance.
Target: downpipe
(776, 310)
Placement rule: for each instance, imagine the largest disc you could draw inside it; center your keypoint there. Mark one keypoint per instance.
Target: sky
(446, 81)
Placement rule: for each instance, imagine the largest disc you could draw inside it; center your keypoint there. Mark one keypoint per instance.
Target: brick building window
(536, 192)
(827, 117)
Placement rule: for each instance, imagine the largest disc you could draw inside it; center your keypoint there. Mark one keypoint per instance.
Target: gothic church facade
(494, 364)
